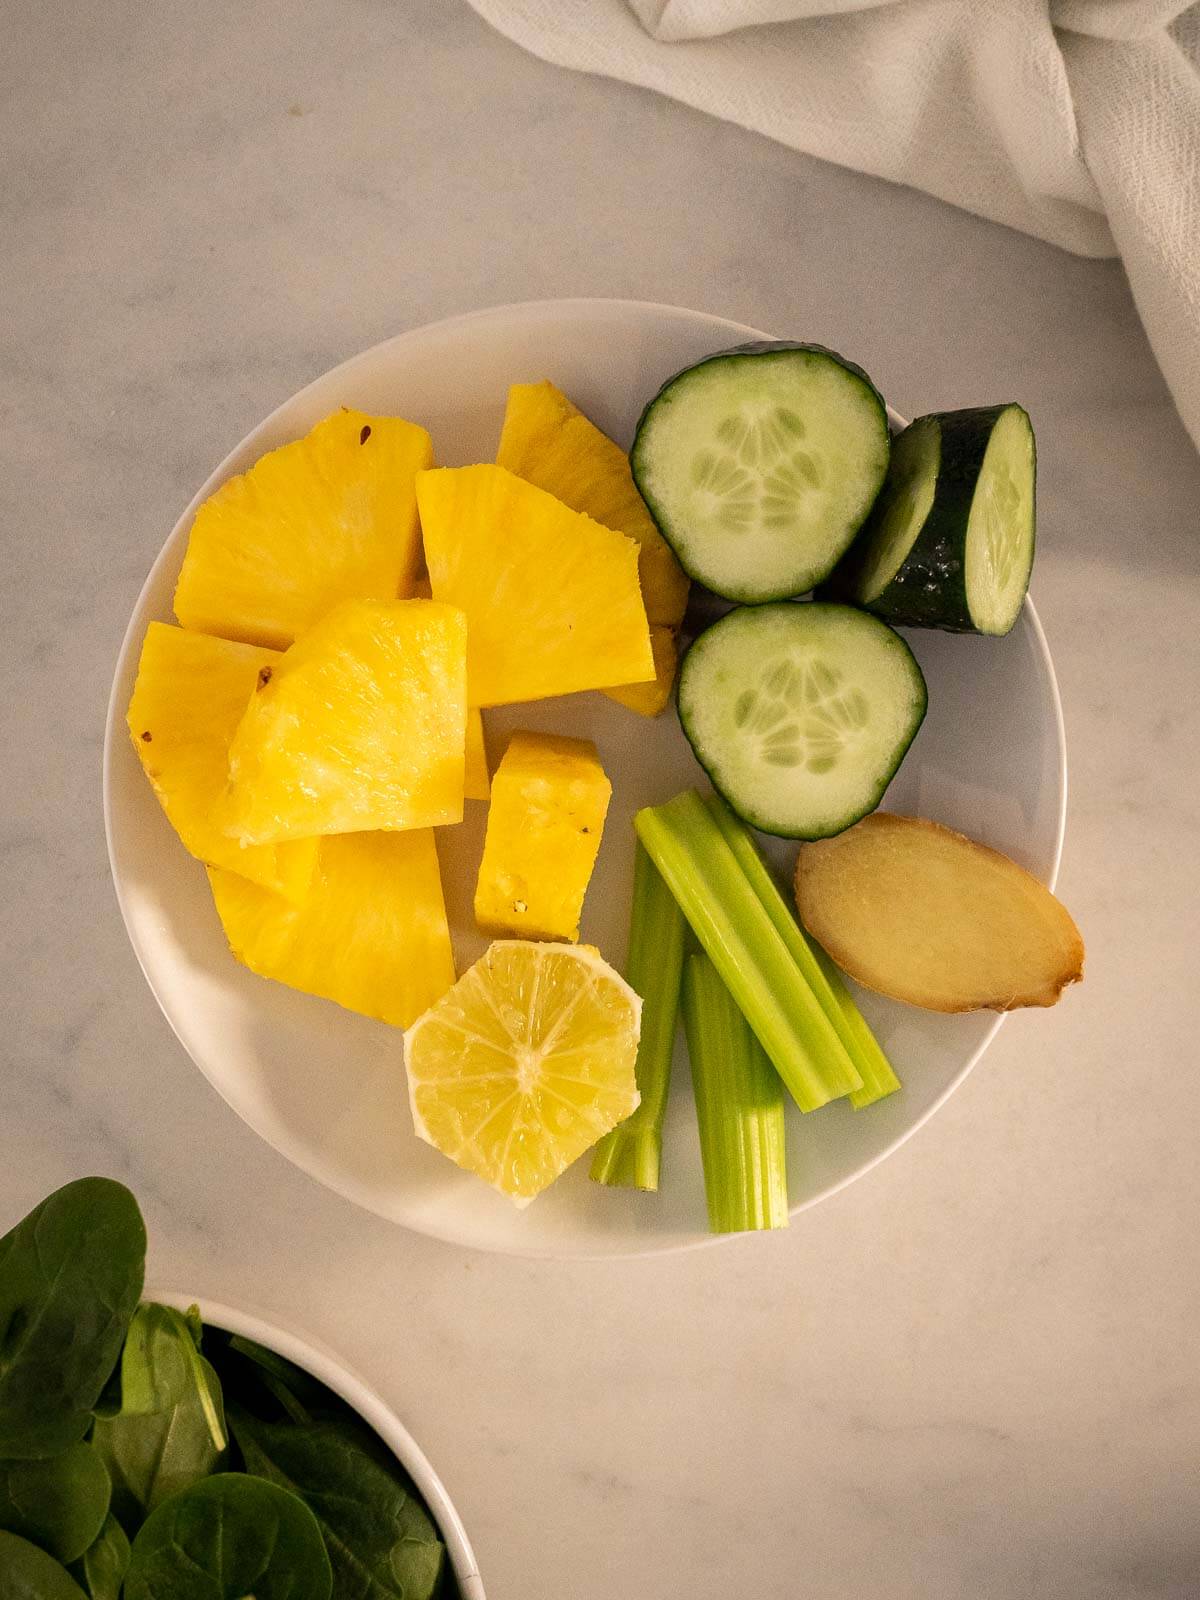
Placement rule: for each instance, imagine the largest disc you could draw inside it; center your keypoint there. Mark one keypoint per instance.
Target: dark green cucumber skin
(757, 819)
(756, 347)
(929, 589)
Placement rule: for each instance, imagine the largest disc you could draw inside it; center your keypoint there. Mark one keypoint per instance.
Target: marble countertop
(973, 1373)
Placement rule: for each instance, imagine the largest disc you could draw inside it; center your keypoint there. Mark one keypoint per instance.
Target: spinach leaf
(101, 1569)
(382, 1542)
(27, 1573)
(195, 1324)
(170, 1430)
(70, 1277)
(59, 1504)
(307, 1390)
(228, 1538)
(267, 1385)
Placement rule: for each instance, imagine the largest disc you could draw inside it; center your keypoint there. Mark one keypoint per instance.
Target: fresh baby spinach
(27, 1573)
(229, 1538)
(70, 1277)
(170, 1430)
(100, 1571)
(112, 1429)
(59, 1503)
(381, 1540)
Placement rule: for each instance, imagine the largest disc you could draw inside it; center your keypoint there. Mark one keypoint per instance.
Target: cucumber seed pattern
(766, 473)
(802, 715)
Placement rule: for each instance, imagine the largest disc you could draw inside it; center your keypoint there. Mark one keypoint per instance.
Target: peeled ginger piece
(918, 912)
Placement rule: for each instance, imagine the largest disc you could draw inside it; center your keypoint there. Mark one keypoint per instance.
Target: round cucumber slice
(759, 465)
(950, 541)
(801, 714)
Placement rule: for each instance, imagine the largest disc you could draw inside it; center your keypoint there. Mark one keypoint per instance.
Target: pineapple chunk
(331, 517)
(551, 597)
(477, 785)
(549, 800)
(549, 442)
(648, 699)
(190, 693)
(371, 933)
(360, 725)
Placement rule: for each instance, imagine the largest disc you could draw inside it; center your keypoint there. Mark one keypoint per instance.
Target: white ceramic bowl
(334, 1374)
(326, 1088)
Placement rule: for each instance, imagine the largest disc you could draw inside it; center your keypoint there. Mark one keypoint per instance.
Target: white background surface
(972, 1374)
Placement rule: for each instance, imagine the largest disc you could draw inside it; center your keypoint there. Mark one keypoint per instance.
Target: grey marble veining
(974, 1373)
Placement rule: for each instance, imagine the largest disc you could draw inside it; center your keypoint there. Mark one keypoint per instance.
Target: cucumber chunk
(800, 714)
(759, 465)
(950, 542)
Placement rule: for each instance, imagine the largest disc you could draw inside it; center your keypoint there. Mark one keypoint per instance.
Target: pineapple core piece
(190, 693)
(549, 800)
(648, 699)
(548, 441)
(371, 933)
(329, 518)
(551, 597)
(360, 725)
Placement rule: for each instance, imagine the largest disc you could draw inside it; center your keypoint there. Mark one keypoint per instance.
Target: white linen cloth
(1075, 120)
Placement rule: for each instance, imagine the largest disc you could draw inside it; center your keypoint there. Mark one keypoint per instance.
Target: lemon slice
(525, 1063)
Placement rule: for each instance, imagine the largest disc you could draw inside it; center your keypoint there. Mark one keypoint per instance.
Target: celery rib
(747, 949)
(631, 1155)
(739, 1108)
(822, 975)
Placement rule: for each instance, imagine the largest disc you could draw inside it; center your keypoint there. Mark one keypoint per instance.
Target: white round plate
(334, 1374)
(327, 1088)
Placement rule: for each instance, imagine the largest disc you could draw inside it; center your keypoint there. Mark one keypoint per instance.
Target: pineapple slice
(648, 699)
(360, 725)
(331, 517)
(371, 933)
(549, 799)
(190, 693)
(551, 597)
(477, 784)
(549, 442)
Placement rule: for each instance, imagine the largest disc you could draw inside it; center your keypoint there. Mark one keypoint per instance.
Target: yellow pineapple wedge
(331, 517)
(360, 725)
(649, 699)
(371, 932)
(477, 784)
(551, 597)
(549, 799)
(190, 693)
(549, 442)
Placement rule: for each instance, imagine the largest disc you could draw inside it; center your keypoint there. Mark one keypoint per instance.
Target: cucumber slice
(800, 714)
(759, 465)
(950, 542)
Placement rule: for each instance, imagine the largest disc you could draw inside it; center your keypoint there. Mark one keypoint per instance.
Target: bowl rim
(306, 1351)
(114, 723)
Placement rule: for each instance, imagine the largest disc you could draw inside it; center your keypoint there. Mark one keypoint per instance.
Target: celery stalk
(630, 1155)
(876, 1071)
(747, 950)
(739, 1108)
(821, 974)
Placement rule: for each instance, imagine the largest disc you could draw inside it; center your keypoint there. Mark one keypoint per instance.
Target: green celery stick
(876, 1071)
(821, 974)
(739, 1107)
(747, 950)
(631, 1154)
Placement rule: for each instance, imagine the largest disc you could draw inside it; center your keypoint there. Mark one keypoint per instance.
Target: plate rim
(114, 724)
